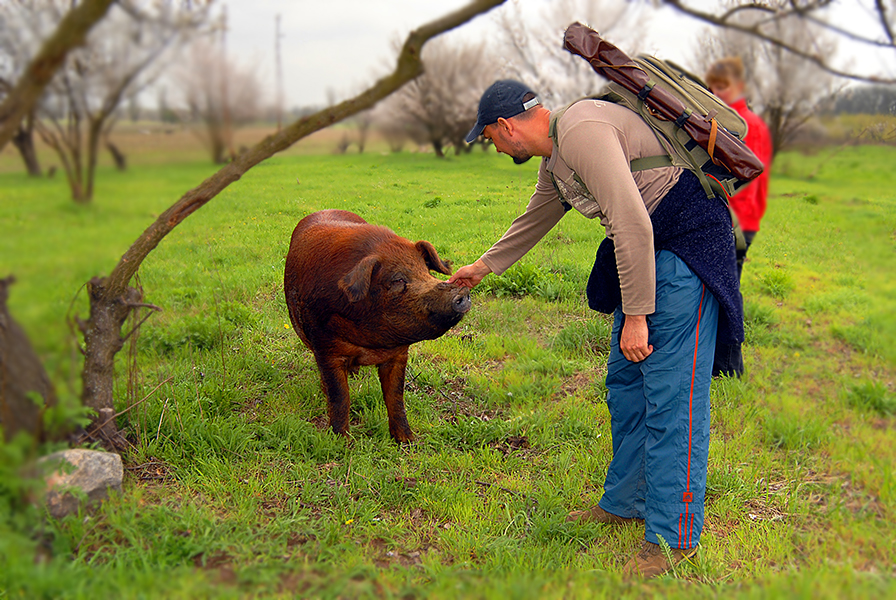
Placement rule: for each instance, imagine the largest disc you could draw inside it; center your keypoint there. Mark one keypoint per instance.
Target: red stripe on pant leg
(691, 531)
(689, 523)
(691, 534)
(680, 515)
(693, 376)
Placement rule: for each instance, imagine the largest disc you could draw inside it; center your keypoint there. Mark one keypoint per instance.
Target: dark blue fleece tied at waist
(698, 230)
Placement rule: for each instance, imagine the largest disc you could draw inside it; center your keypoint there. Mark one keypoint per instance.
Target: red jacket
(749, 203)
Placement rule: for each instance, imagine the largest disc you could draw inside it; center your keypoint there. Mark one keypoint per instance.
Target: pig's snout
(462, 301)
(460, 296)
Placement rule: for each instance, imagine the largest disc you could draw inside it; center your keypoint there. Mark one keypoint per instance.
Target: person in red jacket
(726, 80)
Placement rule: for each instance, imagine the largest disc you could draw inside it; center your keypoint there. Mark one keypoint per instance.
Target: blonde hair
(725, 71)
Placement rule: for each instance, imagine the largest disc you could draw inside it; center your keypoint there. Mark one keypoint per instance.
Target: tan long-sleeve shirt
(591, 167)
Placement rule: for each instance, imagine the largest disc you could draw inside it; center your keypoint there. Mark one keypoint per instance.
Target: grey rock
(78, 475)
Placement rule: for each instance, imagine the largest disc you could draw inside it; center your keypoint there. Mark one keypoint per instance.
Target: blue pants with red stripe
(659, 411)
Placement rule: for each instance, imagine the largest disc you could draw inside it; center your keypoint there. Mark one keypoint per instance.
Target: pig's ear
(356, 282)
(431, 257)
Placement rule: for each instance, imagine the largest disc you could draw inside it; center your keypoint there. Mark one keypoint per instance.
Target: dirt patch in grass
(274, 506)
(219, 566)
(296, 540)
(844, 492)
(452, 399)
(511, 444)
(883, 424)
(250, 408)
(580, 381)
(758, 509)
(385, 556)
(153, 470)
(720, 529)
(321, 422)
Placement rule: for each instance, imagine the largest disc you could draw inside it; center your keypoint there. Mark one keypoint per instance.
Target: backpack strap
(664, 160)
(555, 118)
(651, 162)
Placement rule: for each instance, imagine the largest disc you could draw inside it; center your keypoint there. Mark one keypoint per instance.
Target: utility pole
(225, 99)
(277, 37)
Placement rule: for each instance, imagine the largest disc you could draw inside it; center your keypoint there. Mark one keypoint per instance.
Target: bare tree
(221, 94)
(76, 115)
(532, 45)
(13, 63)
(394, 129)
(786, 89)
(439, 107)
(363, 122)
(18, 123)
(23, 138)
(815, 14)
(70, 33)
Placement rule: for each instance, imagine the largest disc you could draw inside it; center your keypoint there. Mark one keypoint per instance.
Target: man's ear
(431, 258)
(505, 125)
(356, 282)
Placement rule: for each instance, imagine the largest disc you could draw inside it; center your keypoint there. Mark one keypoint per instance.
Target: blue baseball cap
(503, 99)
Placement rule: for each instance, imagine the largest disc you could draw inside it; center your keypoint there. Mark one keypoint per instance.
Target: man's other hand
(633, 341)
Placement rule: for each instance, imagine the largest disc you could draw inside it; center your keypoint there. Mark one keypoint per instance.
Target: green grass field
(236, 488)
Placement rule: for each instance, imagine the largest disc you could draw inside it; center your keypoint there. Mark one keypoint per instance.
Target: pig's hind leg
(392, 373)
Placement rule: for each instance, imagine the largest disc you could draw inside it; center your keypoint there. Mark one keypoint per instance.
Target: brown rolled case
(612, 63)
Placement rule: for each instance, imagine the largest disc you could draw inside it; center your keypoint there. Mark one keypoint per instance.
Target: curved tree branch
(111, 297)
(71, 32)
(408, 67)
(796, 11)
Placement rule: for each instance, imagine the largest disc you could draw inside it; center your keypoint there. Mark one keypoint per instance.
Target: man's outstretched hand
(470, 275)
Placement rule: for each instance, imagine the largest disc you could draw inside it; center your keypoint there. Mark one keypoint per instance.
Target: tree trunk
(774, 118)
(23, 140)
(22, 378)
(78, 194)
(93, 150)
(112, 298)
(121, 161)
(72, 175)
(217, 144)
(68, 149)
(103, 340)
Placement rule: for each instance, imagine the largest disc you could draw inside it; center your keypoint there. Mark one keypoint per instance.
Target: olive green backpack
(682, 150)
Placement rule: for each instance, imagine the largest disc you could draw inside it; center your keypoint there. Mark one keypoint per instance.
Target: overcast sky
(336, 46)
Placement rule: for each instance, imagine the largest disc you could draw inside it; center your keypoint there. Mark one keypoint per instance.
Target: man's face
(505, 143)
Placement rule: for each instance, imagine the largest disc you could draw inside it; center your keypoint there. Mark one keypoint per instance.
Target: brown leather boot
(596, 514)
(652, 561)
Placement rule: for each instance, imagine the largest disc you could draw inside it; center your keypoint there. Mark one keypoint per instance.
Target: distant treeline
(867, 100)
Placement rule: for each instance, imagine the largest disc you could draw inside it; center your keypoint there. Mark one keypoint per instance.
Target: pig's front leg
(334, 380)
(392, 374)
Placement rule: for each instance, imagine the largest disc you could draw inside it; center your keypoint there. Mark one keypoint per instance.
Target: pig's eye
(398, 284)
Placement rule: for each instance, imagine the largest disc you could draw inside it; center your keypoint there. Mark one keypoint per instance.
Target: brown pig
(359, 295)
